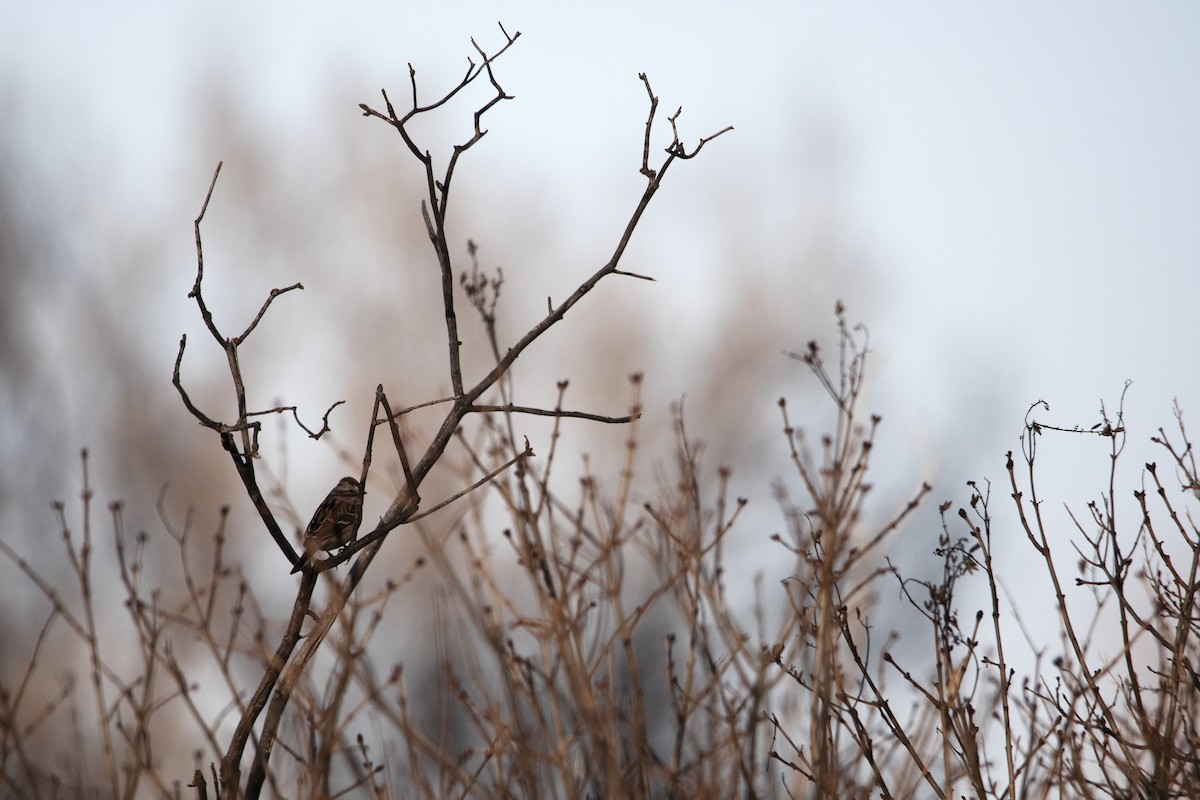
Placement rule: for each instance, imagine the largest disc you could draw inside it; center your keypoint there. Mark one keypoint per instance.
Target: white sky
(1031, 164)
(1022, 178)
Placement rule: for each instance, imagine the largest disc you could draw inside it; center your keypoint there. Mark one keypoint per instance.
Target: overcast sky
(1018, 183)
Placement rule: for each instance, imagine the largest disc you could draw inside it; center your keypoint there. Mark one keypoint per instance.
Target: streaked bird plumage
(335, 522)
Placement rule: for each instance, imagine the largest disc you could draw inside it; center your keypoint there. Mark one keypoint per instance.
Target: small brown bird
(335, 522)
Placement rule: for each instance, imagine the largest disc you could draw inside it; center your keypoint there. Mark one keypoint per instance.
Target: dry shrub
(583, 640)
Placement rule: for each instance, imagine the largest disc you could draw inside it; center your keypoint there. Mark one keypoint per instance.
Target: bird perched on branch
(335, 522)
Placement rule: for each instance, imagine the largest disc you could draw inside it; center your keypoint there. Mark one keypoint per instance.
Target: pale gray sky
(1019, 182)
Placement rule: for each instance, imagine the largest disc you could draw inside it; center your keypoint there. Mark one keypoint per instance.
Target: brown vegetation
(587, 640)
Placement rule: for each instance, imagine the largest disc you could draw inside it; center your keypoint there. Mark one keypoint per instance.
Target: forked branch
(290, 658)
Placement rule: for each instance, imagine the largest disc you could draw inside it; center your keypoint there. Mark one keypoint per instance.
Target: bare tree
(595, 643)
(240, 437)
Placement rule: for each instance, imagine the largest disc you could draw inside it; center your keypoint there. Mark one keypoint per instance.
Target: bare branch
(633, 275)
(524, 454)
(649, 173)
(296, 415)
(205, 314)
(288, 664)
(438, 190)
(381, 400)
(274, 293)
(509, 408)
(206, 421)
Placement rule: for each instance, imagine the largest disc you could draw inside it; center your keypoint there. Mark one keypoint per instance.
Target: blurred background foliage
(1000, 199)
